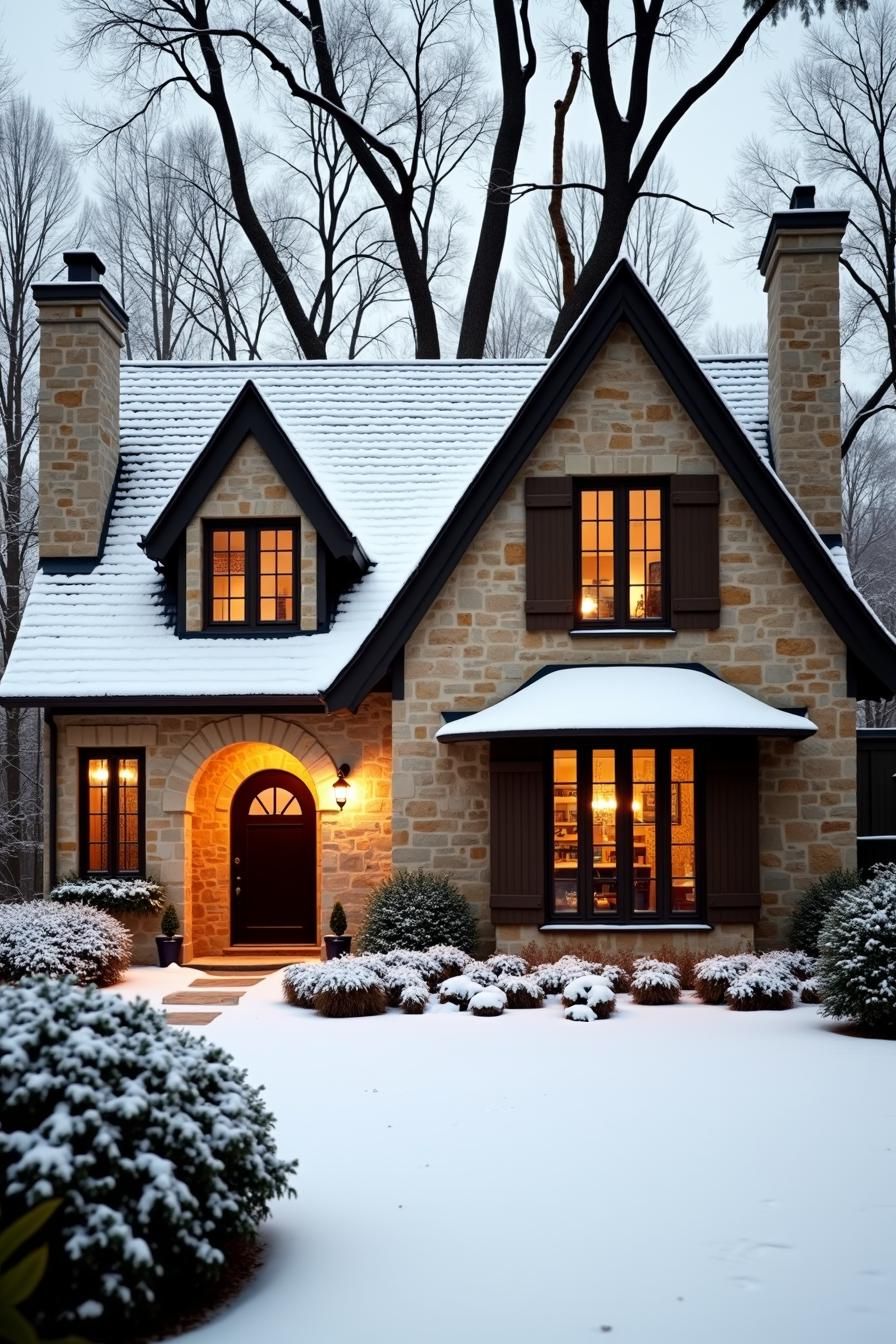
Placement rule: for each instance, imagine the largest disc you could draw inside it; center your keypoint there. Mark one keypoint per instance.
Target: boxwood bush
(416, 910)
(118, 895)
(814, 905)
(44, 938)
(158, 1146)
(857, 954)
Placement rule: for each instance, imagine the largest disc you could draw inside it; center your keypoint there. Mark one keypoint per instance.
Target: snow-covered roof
(392, 445)
(625, 698)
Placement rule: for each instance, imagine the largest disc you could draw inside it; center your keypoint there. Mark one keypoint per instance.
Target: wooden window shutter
(731, 827)
(550, 566)
(694, 547)
(517, 838)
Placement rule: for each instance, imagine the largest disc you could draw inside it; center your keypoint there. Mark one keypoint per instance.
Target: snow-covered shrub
(159, 1147)
(580, 1012)
(522, 991)
(655, 983)
(118, 895)
(414, 998)
(374, 961)
(452, 960)
(345, 989)
(601, 1000)
(489, 1002)
(578, 989)
(857, 953)
(300, 981)
(713, 975)
(815, 904)
(810, 991)
(416, 910)
(46, 938)
(554, 975)
(397, 979)
(617, 977)
(505, 963)
(764, 986)
(481, 972)
(459, 990)
(427, 967)
(798, 964)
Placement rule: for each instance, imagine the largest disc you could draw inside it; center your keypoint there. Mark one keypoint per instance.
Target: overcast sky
(701, 152)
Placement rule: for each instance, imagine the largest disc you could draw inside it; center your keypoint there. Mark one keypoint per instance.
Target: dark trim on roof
(884, 734)
(799, 221)
(624, 298)
(67, 293)
(171, 704)
(84, 564)
(251, 415)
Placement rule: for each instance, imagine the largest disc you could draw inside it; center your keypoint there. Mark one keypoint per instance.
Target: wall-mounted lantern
(341, 786)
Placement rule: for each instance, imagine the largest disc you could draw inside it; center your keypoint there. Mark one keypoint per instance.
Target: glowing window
(621, 564)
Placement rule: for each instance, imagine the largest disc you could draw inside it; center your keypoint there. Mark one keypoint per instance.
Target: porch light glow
(341, 786)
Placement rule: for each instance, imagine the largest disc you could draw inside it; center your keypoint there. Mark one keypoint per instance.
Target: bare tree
(660, 242)
(741, 338)
(38, 198)
(517, 329)
(837, 119)
(409, 144)
(869, 533)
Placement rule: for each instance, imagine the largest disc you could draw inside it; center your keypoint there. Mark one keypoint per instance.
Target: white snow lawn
(672, 1174)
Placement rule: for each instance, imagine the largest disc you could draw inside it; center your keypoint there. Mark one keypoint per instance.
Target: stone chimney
(800, 265)
(81, 333)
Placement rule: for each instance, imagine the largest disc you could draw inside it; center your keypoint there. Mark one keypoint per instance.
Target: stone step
(292, 950)
(230, 981)
(221, 965)
(190, 1019)
(222, 997)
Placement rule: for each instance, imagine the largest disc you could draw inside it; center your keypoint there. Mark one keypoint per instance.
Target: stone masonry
(472, 648)
(250, 487)
(80, 347)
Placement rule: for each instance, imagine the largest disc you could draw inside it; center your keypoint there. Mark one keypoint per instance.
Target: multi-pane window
(621, 548)
(636, 857)
(252, 575)
(112, 839)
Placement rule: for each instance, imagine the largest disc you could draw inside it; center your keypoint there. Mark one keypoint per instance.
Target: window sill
(624, 928)
(627, 631)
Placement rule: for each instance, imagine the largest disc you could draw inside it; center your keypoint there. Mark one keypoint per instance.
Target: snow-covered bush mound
(580, 1012)
(399, 978)
(713, 975)
(414, 998)
(522, 991)
(118, 895)
(300, 981)
(452, 960)
(554, 975)
(161, 1151)
(578, 989)
(345, 989)
(481, 972)
(46, 938)
(616, 977)
(459, 990)
(810, 991)
(416, 910)
(655, 982)
(798, 964)
(427, 967)
(857, 953)
(601, 1000)
(505, 963)
(815, 904)
(489, 1002)
(764, 986)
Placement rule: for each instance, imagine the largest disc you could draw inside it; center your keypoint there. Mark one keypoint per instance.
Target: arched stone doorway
(273, 847)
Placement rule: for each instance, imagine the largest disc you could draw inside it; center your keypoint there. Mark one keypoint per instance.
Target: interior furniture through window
(252, 574)
(621, 553)
(112, 813)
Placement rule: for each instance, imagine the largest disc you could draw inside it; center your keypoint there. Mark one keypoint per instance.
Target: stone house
(578, 632)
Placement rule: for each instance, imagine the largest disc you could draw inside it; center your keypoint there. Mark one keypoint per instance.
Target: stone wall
(80, 347)
(250, 487)
(473, 648)
(193, 766)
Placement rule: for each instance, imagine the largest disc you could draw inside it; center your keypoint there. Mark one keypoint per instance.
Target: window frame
(252, 528)
(620, 486)
(114, 755)
(625, 912)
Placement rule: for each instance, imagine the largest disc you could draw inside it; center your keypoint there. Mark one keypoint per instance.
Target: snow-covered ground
(672, 1174)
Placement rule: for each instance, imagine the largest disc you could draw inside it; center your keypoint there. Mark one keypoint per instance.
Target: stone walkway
(211, 991)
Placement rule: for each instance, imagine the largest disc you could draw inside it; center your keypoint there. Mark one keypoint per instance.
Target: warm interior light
(589, 606)
(126, 773)
(341, 786)
(98, 772)
(606, 802)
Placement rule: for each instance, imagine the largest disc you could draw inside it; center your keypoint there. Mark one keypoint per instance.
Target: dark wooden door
(273, 861)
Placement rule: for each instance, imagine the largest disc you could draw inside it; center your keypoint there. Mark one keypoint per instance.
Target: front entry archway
(273, 859)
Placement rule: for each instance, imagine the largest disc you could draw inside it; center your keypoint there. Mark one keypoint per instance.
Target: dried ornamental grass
(399, 978)
(346, 989)
(505, 963)
(655, 983)
(426, 966)
(459, 990)
(759, 989)
(414, 998)
(522, 991)
(799, 964)
(450, 959)
(713, 975)
(580, 1012)
(617, 977)
(299, 982)
(578, 989)
(601, 1001)
(554, 975)
(489, 1002)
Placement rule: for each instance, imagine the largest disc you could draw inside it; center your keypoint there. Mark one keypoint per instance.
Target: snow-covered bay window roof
(568, 702)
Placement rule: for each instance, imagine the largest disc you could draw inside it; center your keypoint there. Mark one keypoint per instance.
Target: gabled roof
(251, 415)
(624, 298)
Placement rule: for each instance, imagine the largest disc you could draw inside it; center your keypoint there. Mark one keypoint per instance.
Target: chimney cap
(83, 267)
(802, 198)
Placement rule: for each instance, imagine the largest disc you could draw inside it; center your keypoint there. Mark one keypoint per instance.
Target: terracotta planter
(337, 945)
(171, 950)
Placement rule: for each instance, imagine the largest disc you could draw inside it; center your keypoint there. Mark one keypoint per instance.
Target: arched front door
(273, 861)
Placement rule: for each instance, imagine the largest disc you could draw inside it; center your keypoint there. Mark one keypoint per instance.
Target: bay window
(624, 836)
(112, 812)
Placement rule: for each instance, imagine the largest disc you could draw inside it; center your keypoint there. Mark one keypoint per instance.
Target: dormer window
(252, 575)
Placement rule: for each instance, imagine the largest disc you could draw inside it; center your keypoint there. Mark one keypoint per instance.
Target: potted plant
(336, 942)
(171, 942)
